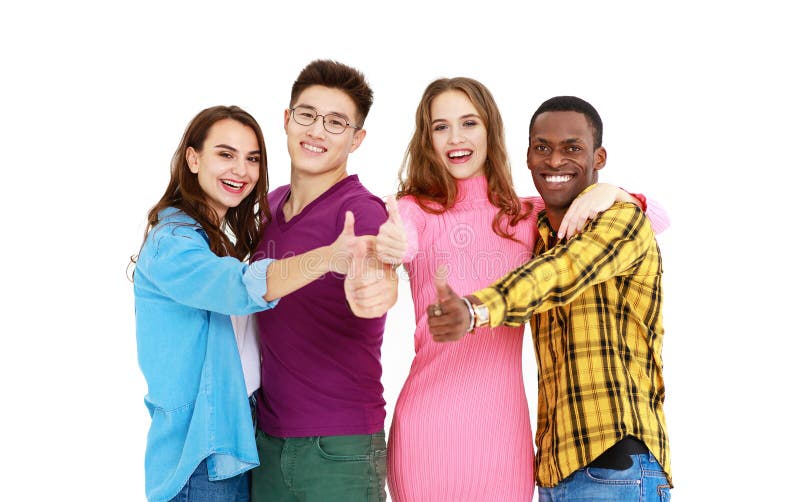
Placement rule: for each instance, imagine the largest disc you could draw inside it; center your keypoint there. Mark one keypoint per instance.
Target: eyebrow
(467, 116)
(568, 141)
(338, 114)
(229, 147)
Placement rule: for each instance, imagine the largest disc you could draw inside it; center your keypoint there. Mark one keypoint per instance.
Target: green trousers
(320, 468)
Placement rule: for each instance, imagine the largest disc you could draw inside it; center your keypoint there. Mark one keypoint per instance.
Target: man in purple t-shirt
(320, 407)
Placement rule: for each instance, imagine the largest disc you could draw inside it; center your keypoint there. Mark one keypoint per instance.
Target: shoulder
(409, 207)
(173, 221)
(277, 194)
(174, 227)
(368, 209)
(355, 197)
(624, 218)
(536, 202)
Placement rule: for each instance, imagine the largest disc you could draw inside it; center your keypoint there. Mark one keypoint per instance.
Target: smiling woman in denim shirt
(189, 279)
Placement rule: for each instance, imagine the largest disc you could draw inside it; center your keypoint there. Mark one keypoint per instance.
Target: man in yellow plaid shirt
(594, 302)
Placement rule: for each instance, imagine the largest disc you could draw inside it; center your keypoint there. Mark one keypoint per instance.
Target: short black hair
(573, 104)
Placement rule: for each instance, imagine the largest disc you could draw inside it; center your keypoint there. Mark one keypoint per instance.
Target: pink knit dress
(461, 429)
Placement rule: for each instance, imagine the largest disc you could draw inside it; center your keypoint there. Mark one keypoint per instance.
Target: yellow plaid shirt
(594, 303)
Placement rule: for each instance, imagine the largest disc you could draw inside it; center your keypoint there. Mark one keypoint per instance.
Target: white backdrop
(701, 108)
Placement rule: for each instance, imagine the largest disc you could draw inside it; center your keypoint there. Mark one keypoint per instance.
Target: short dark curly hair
(573, 104)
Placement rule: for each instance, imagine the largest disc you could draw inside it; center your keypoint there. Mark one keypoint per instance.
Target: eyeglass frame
(324, 120)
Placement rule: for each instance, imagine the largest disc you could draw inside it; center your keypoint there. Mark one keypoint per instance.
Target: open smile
(459, 156)
(312, 148)
(233, 186)
(558, 178)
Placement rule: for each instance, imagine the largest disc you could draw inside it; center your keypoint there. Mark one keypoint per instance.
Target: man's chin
(558, 200)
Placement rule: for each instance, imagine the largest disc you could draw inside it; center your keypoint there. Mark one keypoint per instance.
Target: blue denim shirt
(187, 351)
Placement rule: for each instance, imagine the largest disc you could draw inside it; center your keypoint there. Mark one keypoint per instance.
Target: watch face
(482, 313)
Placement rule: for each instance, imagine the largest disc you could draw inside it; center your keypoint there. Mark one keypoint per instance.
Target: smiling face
(227, 165)
(562, 159)
(458, 134)
(313, 150)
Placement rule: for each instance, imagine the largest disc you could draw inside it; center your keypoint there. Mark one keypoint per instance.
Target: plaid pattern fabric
(595, 308)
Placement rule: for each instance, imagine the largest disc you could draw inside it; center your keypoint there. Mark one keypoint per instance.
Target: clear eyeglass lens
(307, 116)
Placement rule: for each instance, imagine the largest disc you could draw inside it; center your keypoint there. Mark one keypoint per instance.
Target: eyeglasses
(333, 123)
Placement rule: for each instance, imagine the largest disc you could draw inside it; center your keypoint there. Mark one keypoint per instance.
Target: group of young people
(260, 315)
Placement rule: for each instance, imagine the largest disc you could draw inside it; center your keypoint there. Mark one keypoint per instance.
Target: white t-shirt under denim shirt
(246, 331)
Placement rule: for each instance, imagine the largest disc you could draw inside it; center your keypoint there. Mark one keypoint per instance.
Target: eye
(439, 127)
(226, 155)
(254, 159)
(470, 123)
(574, 149)
(336, 121)
(308, 115)
(540, 148)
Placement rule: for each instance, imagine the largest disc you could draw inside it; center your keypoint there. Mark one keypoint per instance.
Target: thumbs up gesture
(391, 242)
(371, 285)
(449, 318)
(343, 247)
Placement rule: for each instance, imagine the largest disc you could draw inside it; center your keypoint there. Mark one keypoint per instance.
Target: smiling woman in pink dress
(461, 428)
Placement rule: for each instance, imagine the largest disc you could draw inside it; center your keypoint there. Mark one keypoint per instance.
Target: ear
(193, 160)
(287, 115)
(358, 137)
(528, 157)
(600, 158)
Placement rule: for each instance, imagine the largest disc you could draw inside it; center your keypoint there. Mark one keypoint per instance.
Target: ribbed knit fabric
(461, 429)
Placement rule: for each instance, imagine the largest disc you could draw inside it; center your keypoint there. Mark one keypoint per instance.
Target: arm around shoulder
(609, 246)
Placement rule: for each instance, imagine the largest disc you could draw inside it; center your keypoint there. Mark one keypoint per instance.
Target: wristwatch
(481, 314)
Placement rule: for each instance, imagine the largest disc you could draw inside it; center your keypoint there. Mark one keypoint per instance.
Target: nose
(239, 167)
(555, 159)
(317, 128)
(456, 136)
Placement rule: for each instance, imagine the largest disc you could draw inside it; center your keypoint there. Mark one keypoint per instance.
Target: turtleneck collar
(471, 189)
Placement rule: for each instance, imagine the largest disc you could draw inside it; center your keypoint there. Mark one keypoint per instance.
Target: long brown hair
(426, 178)
(184, 191)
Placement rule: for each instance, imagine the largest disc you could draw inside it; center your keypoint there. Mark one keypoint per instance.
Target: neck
(305, 188)
(554, 216)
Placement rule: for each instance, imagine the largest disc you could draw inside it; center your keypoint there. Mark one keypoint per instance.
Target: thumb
(443, 289)
(349, 224)
(394, 212)
(357, 263)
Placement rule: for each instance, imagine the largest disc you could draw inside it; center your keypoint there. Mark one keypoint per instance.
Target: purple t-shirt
(321, 365)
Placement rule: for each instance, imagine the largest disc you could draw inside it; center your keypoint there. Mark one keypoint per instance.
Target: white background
(701, 108)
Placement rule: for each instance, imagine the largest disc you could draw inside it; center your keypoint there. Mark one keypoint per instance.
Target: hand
(341, 251)
(370, 286)
(448, 319)
(391, 243)
(587, 206)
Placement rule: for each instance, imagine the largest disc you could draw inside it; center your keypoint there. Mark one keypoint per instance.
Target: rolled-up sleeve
(255, 280)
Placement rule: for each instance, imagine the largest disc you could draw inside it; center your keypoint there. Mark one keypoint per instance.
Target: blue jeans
(644, 481)
(200, 489)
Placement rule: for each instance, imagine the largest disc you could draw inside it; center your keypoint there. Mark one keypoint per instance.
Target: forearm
(290, 274)
(611, 246)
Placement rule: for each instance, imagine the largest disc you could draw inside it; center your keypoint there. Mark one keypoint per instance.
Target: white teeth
(312, 148)
(459, 153)
(233, 184)
(563, 178)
